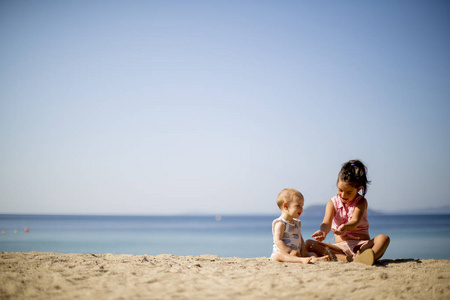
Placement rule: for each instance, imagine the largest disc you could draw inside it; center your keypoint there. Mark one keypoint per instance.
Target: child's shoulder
(280, 220)
(362, 202)
(277, 220)
(278, 223)
(285, 223)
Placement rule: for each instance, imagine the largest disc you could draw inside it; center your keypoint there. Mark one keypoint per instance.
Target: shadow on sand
(386, 262)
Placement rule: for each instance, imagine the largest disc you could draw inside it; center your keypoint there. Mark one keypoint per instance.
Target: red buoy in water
(26, 229)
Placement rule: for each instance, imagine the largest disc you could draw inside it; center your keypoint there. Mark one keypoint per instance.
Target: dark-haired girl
(346, 216)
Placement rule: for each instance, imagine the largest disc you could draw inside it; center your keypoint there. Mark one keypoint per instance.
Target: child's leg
(322, 258)
(317, 258)
(379, 244)
(285, 257)
(324, 249)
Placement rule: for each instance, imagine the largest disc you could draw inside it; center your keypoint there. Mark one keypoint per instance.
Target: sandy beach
(37, 275)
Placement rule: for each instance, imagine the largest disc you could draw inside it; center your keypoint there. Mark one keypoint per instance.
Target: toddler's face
(347, 191)
(295, 207)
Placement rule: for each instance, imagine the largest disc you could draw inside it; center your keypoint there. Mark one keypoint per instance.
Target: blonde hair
(287, 195)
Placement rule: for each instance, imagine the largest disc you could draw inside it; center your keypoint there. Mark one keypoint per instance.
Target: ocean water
(422, 236)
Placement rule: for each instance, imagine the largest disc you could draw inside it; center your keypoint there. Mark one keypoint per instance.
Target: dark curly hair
(354, 172)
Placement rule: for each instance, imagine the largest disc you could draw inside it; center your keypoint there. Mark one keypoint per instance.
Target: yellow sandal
(367, 257)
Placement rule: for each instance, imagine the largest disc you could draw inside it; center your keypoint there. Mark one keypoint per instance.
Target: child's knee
(383, 239)
(309, 244)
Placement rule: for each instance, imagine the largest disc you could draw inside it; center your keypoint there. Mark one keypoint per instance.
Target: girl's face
(295, 207)
(347, 192)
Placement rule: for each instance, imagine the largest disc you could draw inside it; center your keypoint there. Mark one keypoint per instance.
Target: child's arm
(358, 214)
(325, 227)
(278, 232)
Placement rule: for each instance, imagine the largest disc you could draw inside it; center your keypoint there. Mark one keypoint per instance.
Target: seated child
(288, 243)
(346, 217)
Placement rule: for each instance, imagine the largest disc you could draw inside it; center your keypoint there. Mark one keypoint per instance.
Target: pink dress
(343, 213)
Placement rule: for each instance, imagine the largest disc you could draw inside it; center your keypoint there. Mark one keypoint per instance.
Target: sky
(213, 107)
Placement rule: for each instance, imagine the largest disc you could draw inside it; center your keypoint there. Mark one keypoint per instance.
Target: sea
(412, 236)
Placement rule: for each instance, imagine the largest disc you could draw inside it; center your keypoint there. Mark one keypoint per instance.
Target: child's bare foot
(322, 258)
(305, 260)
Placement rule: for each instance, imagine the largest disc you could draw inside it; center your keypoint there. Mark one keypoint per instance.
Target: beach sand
(37, 275)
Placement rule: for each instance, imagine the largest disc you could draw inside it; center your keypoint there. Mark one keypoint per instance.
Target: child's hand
(341, 229)
(319, 235)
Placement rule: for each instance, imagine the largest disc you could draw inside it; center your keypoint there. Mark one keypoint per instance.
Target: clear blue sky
(171, 107)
